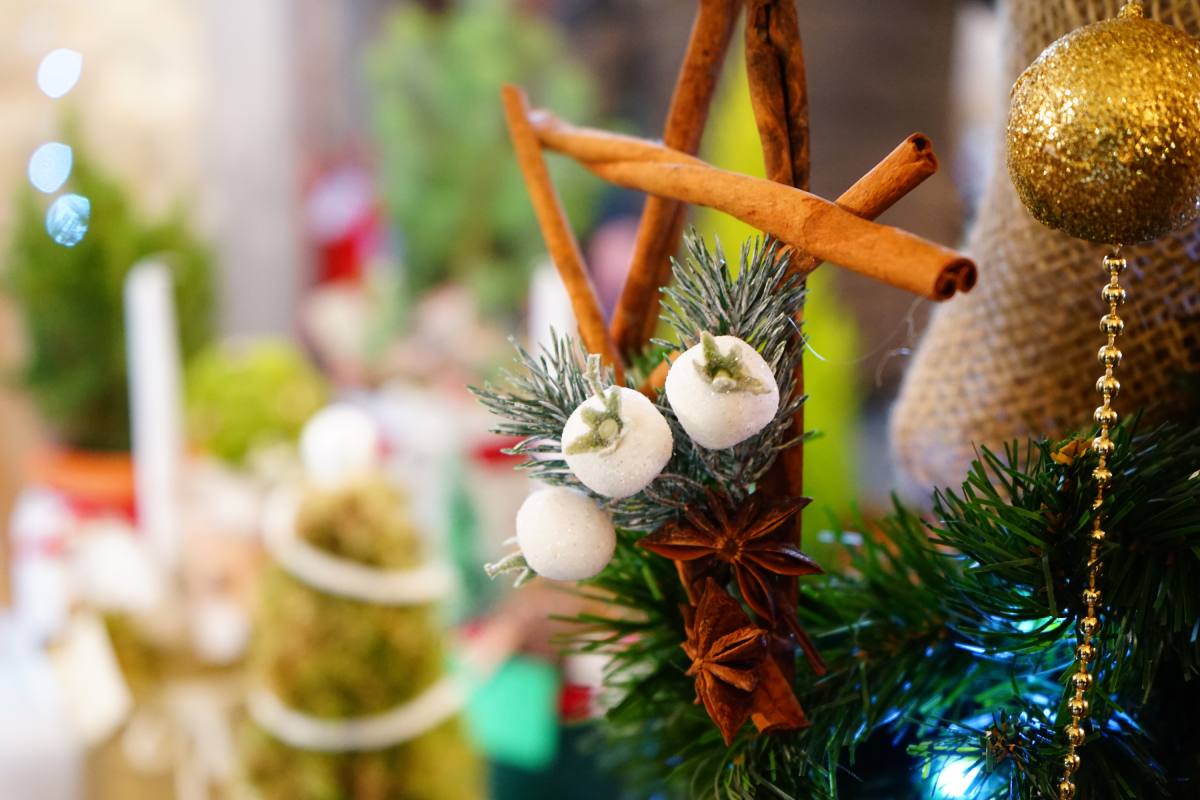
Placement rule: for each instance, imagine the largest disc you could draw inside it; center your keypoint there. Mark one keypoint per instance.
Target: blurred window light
(67, 219)
(50, 166)
(59, 71)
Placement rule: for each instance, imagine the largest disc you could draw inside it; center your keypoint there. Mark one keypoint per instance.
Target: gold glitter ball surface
(1104, 131)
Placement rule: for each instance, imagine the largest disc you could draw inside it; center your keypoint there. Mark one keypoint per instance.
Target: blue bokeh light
(955, 777)
(50, 166)
(67, 219)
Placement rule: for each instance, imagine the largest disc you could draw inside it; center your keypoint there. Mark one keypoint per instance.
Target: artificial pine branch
(943, 636)
(757, 304)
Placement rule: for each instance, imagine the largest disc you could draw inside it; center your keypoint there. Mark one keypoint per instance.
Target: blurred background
(220, 219)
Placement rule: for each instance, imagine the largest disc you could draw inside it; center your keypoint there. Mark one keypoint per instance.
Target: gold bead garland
(1105, 416)
(1103, 143)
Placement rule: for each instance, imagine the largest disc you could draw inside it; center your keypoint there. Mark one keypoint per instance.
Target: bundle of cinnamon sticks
(819, 230)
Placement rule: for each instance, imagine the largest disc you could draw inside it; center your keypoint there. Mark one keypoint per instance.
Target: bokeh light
(50, 166)
(956, 777)
(67, 219)
(59, 71)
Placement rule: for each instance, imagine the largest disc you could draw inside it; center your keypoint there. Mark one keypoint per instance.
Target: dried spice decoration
(711, 542)
(711, 538)
(726, 650)
(736, 679)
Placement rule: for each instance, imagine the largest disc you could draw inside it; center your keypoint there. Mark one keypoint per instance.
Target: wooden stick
(662, 218)
(795, 217)
(556, 230)
(901, 171)
(779, 97)
(657, 378)
(778, 90)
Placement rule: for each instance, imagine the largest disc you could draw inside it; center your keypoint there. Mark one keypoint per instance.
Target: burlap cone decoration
(1017, 356)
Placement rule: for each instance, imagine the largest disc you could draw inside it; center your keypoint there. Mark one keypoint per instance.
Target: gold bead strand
(1105, 416)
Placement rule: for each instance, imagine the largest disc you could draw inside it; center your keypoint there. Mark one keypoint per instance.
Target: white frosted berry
(563, 535)
(616, 444)
(338, 443)
(722, 391)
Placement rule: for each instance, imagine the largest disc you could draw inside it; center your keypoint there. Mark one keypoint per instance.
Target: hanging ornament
(616, 442)
(1104, 144)
(722, 391)
(563, 536)
(1104, 131)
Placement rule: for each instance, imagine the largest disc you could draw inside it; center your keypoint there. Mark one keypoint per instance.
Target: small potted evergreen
(71, 302)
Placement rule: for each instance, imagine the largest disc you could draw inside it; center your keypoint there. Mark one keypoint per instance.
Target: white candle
(152, 349)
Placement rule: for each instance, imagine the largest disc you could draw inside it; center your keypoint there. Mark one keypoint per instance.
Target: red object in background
(344, 219)
(490, 451)
(575, 703)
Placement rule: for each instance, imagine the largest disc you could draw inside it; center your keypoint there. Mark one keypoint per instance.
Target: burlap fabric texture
(1017, 356)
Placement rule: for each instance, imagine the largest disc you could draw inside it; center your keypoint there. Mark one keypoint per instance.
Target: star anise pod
(726, 652)
(711, 537)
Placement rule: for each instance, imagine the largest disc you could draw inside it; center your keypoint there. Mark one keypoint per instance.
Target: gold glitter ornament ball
(1104, 131)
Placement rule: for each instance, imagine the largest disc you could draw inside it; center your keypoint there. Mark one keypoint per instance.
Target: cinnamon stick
(779, 97)
(900, 171)
(662, 218)
(657, 378)
(556, 230)
(778, 90)
(795, 217)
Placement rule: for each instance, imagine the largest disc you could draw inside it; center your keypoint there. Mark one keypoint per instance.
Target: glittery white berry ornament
(563, 535)
(722, 391)
(616, 442)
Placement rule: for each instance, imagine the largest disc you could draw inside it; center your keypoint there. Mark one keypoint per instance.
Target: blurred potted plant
(339, 658)
(72, 305)
(246, 396)
(450, 182)
(246, 404)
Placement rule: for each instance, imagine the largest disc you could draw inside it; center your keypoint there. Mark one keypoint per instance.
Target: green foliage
(241, 395)
(757, 304)
(72, 304)
(951, 635)
(335, 658)
(450, 180)
(954, 636)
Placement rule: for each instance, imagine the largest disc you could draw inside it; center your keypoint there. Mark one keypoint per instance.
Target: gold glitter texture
(1104, 131)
